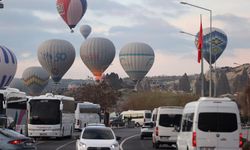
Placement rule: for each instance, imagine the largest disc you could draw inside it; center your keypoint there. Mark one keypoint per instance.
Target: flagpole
(202, 67)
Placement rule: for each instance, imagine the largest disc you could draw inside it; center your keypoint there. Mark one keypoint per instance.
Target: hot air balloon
(219, 43)
(56, 56)
(137, 59)
(71, 11)
(8, 66)
(97, 54)
(18, 84)
(36, 79)
(85, 30)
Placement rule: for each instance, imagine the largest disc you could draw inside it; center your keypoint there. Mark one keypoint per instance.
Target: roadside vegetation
(152, 99)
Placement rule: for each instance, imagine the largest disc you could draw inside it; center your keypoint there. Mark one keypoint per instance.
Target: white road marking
(65, 145)
(130, 137)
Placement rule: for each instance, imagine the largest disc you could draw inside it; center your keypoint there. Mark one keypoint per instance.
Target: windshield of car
(147, 115)
(217, 122)
(98, 133)
(170, 120)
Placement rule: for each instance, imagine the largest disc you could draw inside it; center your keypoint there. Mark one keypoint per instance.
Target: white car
(147, 129)
(97, 137)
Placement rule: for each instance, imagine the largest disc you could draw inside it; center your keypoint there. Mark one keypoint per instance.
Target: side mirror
(61, 106)
(118, 138)
(177, 128)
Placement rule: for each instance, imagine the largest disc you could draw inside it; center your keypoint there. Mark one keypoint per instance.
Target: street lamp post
(202, 72)
(1, 5)
(210, 52)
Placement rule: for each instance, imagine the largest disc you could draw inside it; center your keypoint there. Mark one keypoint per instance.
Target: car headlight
(114, 146)
(82, 145)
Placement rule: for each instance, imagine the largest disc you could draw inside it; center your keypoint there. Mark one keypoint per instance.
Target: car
(96, 124)
(147, 129)
(117, 122)
(13, 140)
(97, 137)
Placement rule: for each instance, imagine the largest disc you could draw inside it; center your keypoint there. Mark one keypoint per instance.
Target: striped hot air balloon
(8, 66)
(137, 59)
(71, 11)
(36, 79)
(97, 54)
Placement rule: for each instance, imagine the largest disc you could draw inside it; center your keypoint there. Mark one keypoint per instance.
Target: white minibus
(167, 120)
(138, 116)
(210, 124)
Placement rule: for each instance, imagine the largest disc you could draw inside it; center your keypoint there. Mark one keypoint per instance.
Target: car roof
(96, 124)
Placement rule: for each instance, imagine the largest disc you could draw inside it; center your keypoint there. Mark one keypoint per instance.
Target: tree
(100, 93)
(113, 80)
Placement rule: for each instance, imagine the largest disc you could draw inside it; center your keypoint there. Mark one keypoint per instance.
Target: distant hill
(227, 80)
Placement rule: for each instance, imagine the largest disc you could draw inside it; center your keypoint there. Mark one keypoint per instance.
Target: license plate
(207, 148)
(28, 144)
(165, 138)
(43, 134)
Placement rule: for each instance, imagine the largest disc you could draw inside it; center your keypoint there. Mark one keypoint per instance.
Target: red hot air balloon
(71, 11)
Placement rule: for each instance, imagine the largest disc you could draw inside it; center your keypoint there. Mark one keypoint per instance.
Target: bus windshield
(45, 112)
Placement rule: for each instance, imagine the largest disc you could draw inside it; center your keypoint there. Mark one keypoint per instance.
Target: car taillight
(15, 142)
(241, 140)
(157, 131)
(194, 139)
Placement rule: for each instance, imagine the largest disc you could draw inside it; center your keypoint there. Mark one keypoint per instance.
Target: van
(138, 116)
(168, 119)
(210, 124)
(154, 115)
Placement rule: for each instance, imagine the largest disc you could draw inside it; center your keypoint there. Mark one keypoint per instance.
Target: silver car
(12, 140)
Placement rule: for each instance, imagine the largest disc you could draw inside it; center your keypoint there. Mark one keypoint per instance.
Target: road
(130, 141)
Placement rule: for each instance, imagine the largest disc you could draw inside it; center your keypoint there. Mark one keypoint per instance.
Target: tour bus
(138, 116)
(86, 113)
(14, 103)
(50, 115)
(210, 123)
(3, 117)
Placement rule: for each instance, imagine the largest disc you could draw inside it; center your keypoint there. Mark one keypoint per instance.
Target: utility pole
(1, 5)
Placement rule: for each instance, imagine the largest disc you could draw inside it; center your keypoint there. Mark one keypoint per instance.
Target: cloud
(45, 16)
(25, 54)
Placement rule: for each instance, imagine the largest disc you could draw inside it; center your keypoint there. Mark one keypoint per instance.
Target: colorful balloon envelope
(137, 59)
(219, 43)
(97, 54)
(71, 11)
(85, 30)
(56, 57)
(36, 79)
(8, 66)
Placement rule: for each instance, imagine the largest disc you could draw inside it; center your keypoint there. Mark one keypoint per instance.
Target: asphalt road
(130, 141)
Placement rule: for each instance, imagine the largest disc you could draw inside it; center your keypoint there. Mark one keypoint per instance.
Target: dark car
(13, 140)
(117, 122)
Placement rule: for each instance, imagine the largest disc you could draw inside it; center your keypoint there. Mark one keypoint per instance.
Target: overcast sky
(25, 24)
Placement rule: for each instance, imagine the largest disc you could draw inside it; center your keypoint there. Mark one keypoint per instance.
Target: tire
(157, 145)
(142, 137)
